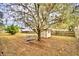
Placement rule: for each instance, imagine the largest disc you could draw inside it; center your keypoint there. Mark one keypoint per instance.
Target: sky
(7, 15)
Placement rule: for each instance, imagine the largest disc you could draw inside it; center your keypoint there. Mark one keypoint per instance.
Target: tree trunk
(39, 35)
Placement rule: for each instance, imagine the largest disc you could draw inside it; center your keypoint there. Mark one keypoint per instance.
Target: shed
(46, 33)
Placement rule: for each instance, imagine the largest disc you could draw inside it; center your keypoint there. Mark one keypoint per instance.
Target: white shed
(46, 33)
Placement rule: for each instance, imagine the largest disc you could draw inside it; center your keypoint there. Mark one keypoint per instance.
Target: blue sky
(7, 15)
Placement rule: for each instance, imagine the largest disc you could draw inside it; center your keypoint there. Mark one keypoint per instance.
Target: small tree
(12, 29)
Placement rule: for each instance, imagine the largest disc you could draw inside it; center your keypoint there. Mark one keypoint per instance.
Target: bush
(71, 28)
(13, 29)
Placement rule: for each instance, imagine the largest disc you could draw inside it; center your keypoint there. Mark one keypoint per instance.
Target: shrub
(71, 28)
(13, 29)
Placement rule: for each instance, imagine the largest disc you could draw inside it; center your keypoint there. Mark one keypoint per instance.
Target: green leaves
(13, 29)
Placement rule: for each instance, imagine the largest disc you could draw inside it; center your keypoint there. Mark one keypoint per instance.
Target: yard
(35, 29)
(17, 45)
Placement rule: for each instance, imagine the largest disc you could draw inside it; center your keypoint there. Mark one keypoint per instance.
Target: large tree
(67, 16)
(38, 17)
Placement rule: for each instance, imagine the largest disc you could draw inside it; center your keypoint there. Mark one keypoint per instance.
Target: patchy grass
(56, 45)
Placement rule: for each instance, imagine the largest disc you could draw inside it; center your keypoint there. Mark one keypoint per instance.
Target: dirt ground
(17, 45)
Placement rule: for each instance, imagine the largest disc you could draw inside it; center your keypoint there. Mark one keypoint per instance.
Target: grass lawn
(54, 46)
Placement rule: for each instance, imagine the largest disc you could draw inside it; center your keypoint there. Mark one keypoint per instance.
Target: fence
(62, 32)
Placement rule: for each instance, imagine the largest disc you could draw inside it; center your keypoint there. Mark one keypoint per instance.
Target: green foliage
(68, 18)
(13, 29)
(71, 28)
